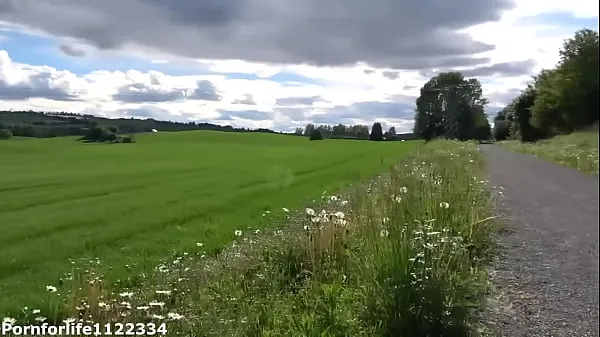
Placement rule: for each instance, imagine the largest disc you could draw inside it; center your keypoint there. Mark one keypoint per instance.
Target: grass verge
(578, 150)
(403, 255)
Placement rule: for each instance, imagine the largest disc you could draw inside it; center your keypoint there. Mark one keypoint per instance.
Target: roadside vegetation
(549, 116)
(403, 254)
(578, 150)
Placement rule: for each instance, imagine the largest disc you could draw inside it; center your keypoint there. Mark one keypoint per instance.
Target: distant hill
(52, 124)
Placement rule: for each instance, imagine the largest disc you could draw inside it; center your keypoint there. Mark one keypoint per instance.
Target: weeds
(402, 255)
(578, 150)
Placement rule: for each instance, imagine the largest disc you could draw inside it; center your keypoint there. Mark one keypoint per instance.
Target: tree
(308, 131)
(449, 106)
(360, 131)
(325, 130)
(501, 126)
(5, 134)
(299, 132)
(522, 109)
(316, 135)
(483, 130)
(339, 130)
(391, 133)
(567, 96)
(376, 132)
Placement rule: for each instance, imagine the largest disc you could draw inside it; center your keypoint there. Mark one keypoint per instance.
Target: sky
(277, 64)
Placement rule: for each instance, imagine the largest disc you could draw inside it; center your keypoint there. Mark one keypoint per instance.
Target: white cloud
(352, 94)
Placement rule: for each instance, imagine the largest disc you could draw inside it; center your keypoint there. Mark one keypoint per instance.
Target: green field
(134, 204)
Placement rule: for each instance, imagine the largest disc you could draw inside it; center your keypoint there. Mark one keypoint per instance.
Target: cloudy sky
(278, 64)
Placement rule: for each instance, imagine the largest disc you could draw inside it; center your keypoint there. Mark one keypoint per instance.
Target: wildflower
(385, 219)
(163, 292)
(35, 311)
(384, 233)
(40, 319)
(126, 294)
(285, 210)
(315, 220)
(339, 215)
(69, 320)
(9, 320)
(397, 199)
(157, 304)
(433, 233)
(306, 227)
(143, 308)
(154, 316)
(174, 316)
(237, 232)
(199, 244)
(257, 231)
(344, 202)
(309, 211)
(163, 269)
(103, 305)
(444, 204)
(51, 289)
(126, 305)
(403, 189)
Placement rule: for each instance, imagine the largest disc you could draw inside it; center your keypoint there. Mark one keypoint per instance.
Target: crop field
(130, 205)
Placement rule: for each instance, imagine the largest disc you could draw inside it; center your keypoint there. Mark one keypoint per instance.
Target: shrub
(108, 137)
(5, 134)
(126, 140)
(316, 135)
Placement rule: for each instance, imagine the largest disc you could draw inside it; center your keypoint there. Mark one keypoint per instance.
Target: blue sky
(268, 79)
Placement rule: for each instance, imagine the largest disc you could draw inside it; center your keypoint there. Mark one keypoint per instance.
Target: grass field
(402, 254)
(131, 205)
(578, 150)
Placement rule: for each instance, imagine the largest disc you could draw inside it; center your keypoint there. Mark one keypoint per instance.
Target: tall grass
(402, 255)
(578, 150)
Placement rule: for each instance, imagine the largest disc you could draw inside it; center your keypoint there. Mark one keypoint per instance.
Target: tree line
(44, 125)
(560, 100)
(341, 131)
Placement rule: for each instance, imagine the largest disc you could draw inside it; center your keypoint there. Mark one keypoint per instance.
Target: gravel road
(547, 274)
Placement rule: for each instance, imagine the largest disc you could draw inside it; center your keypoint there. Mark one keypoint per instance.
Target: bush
(97, 134)
(5, 134)
(109, 137)
(127, 140)
(316, 135)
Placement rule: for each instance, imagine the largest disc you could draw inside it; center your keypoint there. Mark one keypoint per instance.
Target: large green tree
(450, 106)
(567, 96)
(376, 132)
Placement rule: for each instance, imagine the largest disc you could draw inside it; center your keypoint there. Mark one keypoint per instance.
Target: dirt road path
(548, 271)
